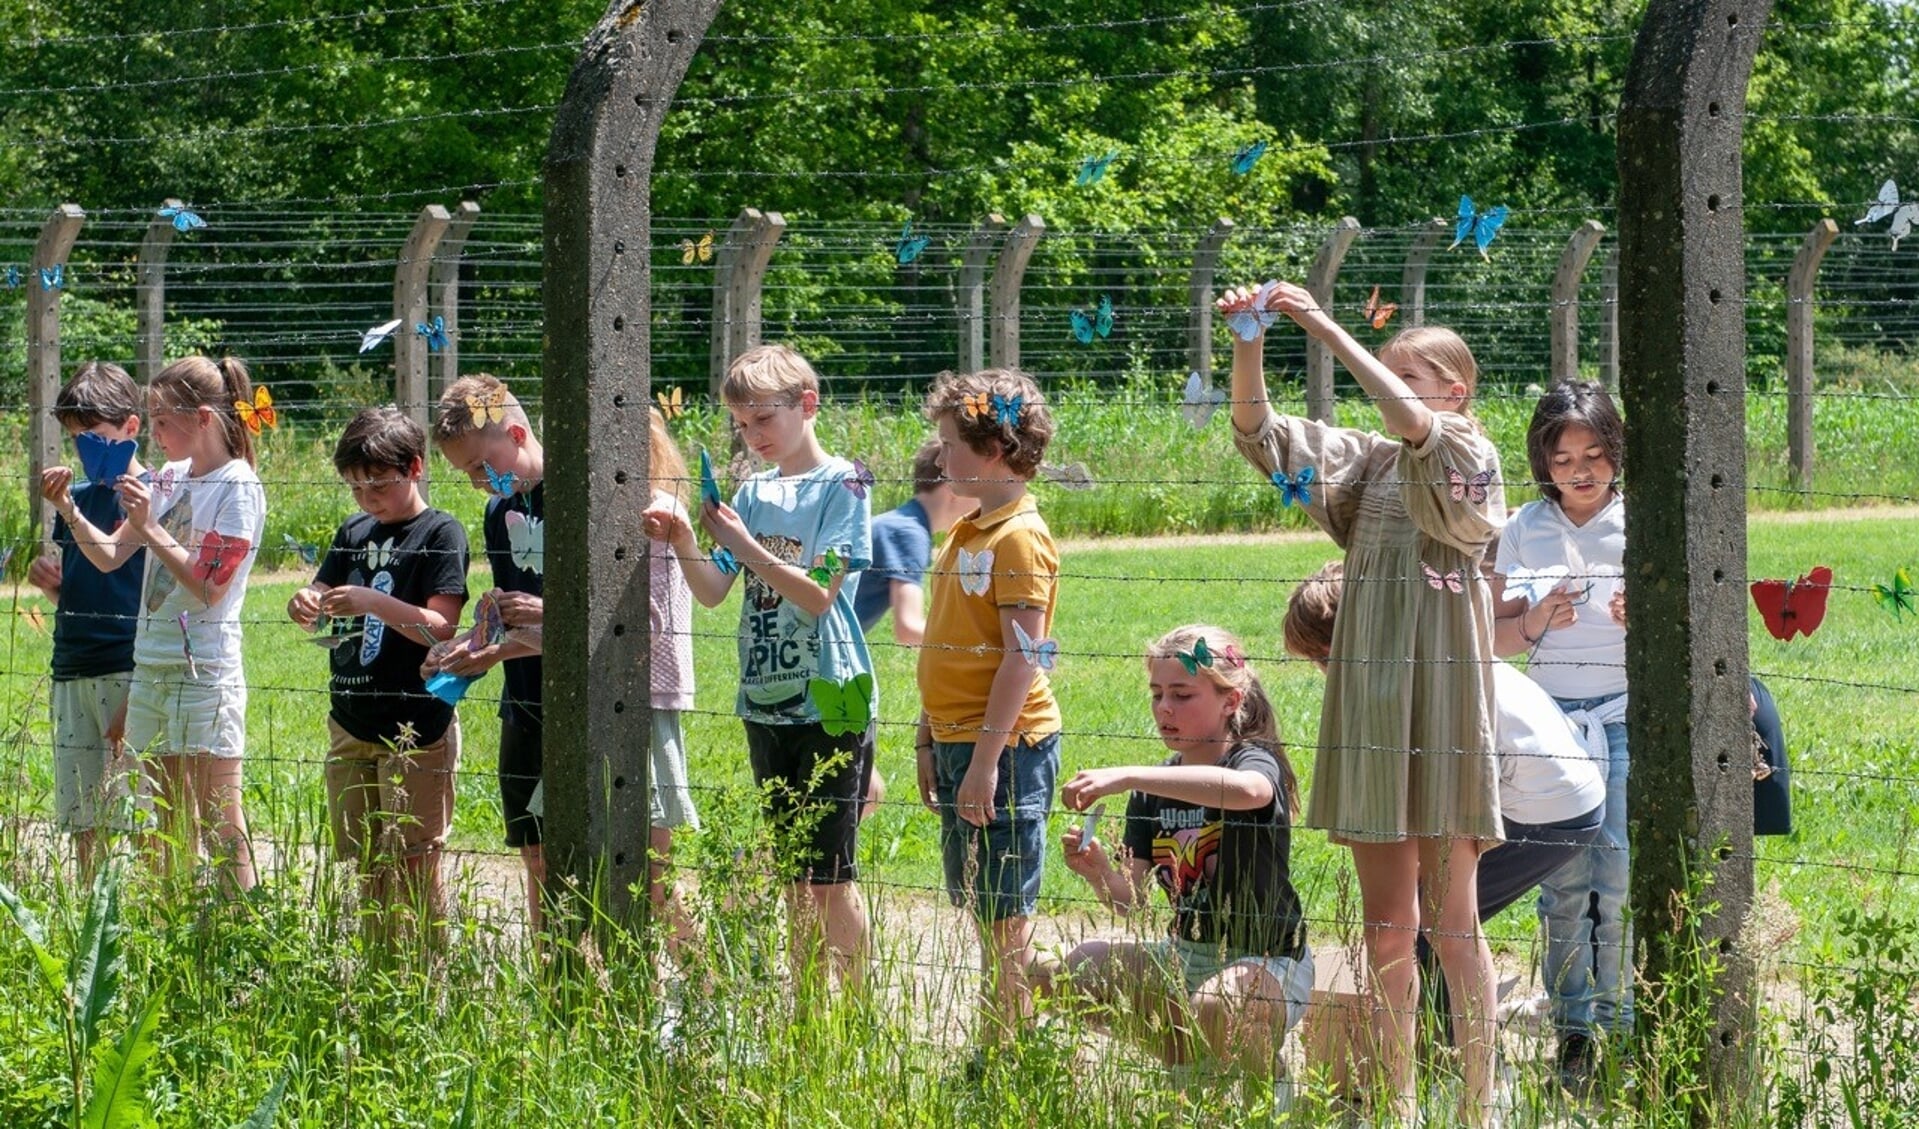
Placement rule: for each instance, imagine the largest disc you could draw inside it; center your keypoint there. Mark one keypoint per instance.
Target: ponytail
(191, 383)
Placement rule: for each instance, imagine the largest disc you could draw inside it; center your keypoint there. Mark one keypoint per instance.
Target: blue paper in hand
(709, 486)
(449, 688)
(103, 460)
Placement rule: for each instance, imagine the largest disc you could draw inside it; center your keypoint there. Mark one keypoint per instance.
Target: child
(390, 587)
(1213, 824)
(1405, 773)
(989, 730)
(201, 520)
(482, 430)
(1577, 638)
(94, 621)
(801, 534)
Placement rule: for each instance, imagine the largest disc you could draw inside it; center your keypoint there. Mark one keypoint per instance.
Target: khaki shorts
(93, 785)
(403, 801)
(170, 713)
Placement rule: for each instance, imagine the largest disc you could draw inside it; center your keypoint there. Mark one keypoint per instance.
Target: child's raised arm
(1248, 395)
(1403, 413)
(105, 549)
(707, 581)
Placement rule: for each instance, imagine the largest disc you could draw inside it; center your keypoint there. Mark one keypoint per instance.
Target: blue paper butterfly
(500, 481)
(1249, 323)
(723, 560)
(308, 553)
(184, 219)
(1293, 488)
(103, 460)
(1246, 156)
(709, 485)
(910, 245)
(1482, 226)
(434, 332)
(1099, 323)
(1092, 170)
(53, 277)
(1007, 409)
(13, 278)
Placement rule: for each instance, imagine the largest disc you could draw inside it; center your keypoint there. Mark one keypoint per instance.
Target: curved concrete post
(410, 348)
(43, 354)
(1015, 251)
(444, 296)
(150, 295)
(1320, 278)
(1799, 366)
(1565, 312)
(1199, 299)
(1609, 322)
(739, 271)
(1412, 278)
(971, 296)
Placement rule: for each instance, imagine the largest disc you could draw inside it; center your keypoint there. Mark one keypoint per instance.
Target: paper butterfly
(672, 404)
(1200, 401)
(1073, 477)
(103, 460)
(1098, 323)
(1092, 170)
(526, 537)
(1246, 156)
(372, 338)
(1482, 226)
(53, 277)
(333, 633)
(1792, 607)
(219, 557)
(1897, 596)
(979, 405)
(829, 566)
(1007, 409)
(1041, 655)
(434, 332)
(1535, 584)
(860, 481)
(703, 250)
(378, 554)
(975, 571)
(184, 219)
(1090, 824)
(448, 687)
(13, 278)
(260, 412)
(1233, 656)
(723, 560)
(500, 482)
(308, 554)
(1462, 488)
(1200, 655)
(1379, 313)
(186, 648)
(488, 407)
(709, 486)
(489, 626)
(1889, 204)
(1293, 488)
(910, 245)
(1454, 581)
(845, 707)
(1247, 324)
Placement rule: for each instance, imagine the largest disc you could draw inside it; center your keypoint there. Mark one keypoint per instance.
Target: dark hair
(380, 439)
(926, 467)
(98, 392)
(191, 383)
(1573, 403)
(970, 400)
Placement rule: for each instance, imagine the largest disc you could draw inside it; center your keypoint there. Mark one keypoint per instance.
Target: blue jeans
(1583, 908)
(997, 867)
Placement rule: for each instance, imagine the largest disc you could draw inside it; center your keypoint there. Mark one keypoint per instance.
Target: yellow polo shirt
(1004, 559)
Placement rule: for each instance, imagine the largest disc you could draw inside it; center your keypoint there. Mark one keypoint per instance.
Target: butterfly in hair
(259, 413)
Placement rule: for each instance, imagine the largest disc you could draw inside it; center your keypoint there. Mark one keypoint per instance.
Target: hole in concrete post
(1712, 388)
(1717, 481)
(1719, 576)
(619, 476)
(619, 629)
(619, 707)
(674, 34)
(1719, 667)
(1713, 295)
(1725, 946)
(1723, 853)
(619, 781)
(619, 399)
(619, 325)
(619, 170)
(619, 552)
(619, 246)
(640, 101)
(1732, 20)
(619, 858)
(1712, 109)
(1712, 203)
(1725, 1038)
(1725, 762)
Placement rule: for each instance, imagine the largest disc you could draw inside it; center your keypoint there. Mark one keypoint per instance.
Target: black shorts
(811, 788)
(522, 756)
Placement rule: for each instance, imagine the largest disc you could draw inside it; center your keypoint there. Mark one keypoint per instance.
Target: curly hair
(980, 403)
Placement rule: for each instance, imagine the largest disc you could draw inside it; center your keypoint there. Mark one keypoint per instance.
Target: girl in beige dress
(1404, 774)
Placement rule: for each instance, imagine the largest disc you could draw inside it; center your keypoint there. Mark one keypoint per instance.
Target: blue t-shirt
(783, 647)
(99, 612)
(902, 551)
(514, 531)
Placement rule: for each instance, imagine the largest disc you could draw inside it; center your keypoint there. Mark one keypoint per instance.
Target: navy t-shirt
(902, 551)
(376, 678)
(98, 613)
(515, 533)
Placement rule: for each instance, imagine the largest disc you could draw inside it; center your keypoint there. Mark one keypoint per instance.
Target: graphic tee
(514, 530)
(1227, 873)
(96, 620)
(218, 518)
(376, 682)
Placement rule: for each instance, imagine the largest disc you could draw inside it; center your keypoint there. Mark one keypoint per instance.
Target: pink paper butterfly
(1436, 580)
(860, 481)
(1461, 487)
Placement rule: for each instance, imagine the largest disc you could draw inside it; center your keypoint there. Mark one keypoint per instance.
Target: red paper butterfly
(1462, 488)
(1793, 607)
(1455, 581)
(219, 557)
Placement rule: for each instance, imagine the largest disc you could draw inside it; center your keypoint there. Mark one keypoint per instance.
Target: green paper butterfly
(1200, 655)
(845, 707)
(829, 566)
(1897, 596)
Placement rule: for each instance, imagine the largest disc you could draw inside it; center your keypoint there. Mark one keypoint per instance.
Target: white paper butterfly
(372, 338)
(1041, 655)
(527, 536)
(1201, 400)
(378, 554)
(976, 571)
(1535, 583)
(1888, 204)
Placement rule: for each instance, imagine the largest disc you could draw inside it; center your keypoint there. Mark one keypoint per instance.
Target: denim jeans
(1583, 908)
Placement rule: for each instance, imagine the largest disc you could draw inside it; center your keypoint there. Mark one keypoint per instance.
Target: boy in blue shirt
(97, 613)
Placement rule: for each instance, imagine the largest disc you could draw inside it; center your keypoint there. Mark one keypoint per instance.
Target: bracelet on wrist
(1530, 639)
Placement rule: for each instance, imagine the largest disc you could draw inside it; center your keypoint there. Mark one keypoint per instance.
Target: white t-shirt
(1588, 658)
(1546, 773)
(219, 519)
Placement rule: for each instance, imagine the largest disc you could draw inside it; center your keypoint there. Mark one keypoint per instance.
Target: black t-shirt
(376, 678)
(1226, 872)
(98, 613)
(515, 531)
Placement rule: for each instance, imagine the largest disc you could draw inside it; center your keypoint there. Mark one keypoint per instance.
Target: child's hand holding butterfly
(136, 498)
(1085, 857)
(304, 607)
(1091, 784)
(520, 609)
(1617, 606)
(723, 524)
(348, 600)
(56, 486)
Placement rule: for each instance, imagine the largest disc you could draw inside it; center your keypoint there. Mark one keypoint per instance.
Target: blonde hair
(666, 466)
(1255, 722)
(768, 374)
(1311, 610)
(1441, 348)
(192, 383)
(456, 417)
(969, 399)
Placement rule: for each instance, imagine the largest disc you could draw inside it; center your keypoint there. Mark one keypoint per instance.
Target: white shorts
(1197, 963)
(172, 714)
(92, 783)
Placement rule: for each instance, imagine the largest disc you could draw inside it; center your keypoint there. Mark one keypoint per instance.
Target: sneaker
(1578, 1063)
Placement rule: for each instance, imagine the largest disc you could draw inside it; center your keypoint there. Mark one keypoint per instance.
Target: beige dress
(1405, 733)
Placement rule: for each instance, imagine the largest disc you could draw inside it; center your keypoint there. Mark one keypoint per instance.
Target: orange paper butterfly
(488, 407)
(1379, 313)
(260, 412)
(979, 405)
